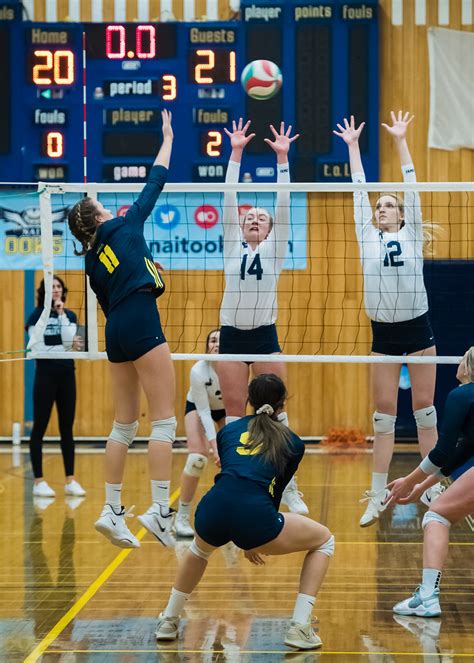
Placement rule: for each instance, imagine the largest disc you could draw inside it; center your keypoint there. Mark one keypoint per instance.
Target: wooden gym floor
(67, 595)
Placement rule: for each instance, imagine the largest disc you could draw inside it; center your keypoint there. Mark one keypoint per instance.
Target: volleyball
(261, 79)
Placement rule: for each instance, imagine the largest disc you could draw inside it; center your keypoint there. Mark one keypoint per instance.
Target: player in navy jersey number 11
(126, 281)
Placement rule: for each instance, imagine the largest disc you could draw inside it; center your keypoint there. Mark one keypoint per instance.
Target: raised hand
(238, 137)
(282, 141)
(400, 124)
(349, 133)
(167, 128)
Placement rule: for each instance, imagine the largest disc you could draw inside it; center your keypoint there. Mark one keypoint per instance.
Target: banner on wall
(451, 54)
(184, 231)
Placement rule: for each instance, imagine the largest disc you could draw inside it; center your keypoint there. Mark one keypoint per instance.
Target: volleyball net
(321, 312)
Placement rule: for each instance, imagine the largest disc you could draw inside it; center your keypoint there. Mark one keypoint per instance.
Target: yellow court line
(86, 597)
(318, 652)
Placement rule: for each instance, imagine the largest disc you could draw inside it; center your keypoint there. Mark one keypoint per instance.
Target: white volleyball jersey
(394, 289)
(205, 393)
(251, 275)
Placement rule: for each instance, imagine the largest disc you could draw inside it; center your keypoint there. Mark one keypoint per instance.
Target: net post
(47, 254)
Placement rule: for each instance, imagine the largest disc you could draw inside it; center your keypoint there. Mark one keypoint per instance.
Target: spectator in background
(55, 382)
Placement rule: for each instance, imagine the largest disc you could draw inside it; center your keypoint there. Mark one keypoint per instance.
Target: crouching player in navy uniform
(259, 455)
(455, 448)
(125, 279)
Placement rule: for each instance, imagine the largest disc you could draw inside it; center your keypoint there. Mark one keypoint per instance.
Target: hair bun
(266, 409)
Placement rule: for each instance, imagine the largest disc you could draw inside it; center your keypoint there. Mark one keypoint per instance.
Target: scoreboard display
(83, 100)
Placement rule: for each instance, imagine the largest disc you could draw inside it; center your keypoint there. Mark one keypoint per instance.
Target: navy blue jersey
(120, 261)
(52, 338)
(238, 463)
(456, 438)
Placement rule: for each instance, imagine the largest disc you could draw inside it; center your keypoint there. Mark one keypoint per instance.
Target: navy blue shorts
(133, 328)
(236, 510)
(216, 415)
(258, 341)
(402, 338)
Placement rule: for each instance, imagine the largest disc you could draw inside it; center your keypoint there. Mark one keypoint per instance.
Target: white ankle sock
(379, 481)
(113, 495)
(303, 608)
(430, 582)
(184, 509)
(160, 492)
(175, 603)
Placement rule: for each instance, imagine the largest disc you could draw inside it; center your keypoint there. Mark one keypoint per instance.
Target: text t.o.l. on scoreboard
(327, 52)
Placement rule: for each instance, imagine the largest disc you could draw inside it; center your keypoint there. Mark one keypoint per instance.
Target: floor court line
(59, 627)
(316, 652)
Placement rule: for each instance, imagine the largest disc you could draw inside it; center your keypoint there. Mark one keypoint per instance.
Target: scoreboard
(84, 99)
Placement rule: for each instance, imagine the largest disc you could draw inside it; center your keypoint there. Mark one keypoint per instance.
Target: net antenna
(319, 194)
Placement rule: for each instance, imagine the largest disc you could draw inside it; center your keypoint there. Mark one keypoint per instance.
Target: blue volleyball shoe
(418, 606)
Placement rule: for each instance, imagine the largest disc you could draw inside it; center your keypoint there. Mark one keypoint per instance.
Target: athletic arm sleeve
(143, 206)
(412, 205)
(201, 401)
(362, 209)
(282, 216)
(291, 467)
(230, 215)
(455, 411)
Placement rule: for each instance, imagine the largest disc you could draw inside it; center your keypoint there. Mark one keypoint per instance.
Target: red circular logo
(123, 210)
(206, 216)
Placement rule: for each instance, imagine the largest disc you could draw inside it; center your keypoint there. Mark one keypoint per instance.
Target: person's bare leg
(233, 379)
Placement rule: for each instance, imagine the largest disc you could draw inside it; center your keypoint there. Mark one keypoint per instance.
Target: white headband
(266, 409)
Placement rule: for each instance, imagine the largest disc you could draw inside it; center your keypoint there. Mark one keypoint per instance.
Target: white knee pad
(433, 517)
(195, 465)
(163, 430)
(124, 433)
(328, 547)
(426, 417)
(384, 423)
(199, 552)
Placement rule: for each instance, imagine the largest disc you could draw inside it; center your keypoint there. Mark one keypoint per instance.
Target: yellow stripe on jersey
(244, 440)
(154, 272)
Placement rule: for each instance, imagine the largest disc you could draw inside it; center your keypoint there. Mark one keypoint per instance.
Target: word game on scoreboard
(120, 76)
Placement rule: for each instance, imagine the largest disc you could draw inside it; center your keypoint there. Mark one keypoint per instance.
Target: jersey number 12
(390, 256)
(255, 268)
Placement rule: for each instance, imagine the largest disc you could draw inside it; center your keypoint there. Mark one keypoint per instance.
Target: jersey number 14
(255, 268)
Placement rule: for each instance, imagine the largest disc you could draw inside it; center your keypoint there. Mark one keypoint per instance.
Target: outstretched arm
(350, 135)
(230, 216)
(164, 155)
(362, 210)
(281, 146)
(398, 131)
(143, 206)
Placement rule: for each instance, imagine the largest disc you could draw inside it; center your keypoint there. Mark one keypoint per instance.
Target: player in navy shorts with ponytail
(126, 281)
(259, 455)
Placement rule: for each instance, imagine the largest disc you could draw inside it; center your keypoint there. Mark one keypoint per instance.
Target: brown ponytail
(82, 220)
(267, 436)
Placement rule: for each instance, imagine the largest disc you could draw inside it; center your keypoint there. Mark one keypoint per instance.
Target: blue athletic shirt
(120, 261)
(455, 443)
(238, 463)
